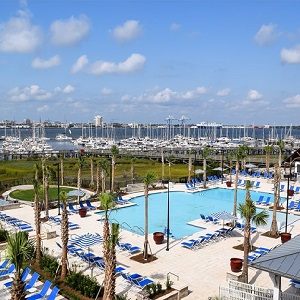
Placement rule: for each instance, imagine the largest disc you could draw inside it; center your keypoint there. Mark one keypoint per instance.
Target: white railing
(243, 291)
(232, 294)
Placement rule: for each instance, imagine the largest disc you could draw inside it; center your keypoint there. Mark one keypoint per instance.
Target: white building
(98, 121)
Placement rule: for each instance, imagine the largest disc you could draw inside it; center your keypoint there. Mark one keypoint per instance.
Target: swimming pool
(184, 207)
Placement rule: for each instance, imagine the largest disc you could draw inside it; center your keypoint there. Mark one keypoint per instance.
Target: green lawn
(28, 195)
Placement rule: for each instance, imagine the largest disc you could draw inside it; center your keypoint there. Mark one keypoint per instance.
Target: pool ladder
(134, 229)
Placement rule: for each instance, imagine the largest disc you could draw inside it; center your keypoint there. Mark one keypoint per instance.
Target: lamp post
(58, 179)
(195, 152)
(222, 163)
(168, 214)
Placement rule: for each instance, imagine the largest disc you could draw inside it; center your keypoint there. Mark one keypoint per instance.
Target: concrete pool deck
(203, 270)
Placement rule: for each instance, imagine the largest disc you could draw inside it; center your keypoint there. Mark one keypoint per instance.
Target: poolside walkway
(203, 270)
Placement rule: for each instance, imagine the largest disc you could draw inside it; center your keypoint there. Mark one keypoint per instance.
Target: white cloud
(266, 35)
(106, 91)
(128, 31)
(69, 32)
(290, 56)
(292, 102)
(175, 27)
(79, 64)
(131, 64)
(254, 95)
(33, 92)
(19, 35)
(68, 89)
(39, 63)
(224, 92)
(43, 108)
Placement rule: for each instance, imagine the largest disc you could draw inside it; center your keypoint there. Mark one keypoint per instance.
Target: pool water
(184, 207)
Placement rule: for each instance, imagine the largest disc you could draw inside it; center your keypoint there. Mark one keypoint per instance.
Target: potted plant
(82, 212)
(236, 264)
(158, 237)
(291, 193)
(285, 236)
(228, 183)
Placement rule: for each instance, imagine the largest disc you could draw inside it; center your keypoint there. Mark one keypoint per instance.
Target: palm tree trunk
(92, 173)
(62, 171)
(162, 165)
(113, 162)
(79, 180)
(106, 254)
(204, 174)
(235, 187)
(276, 200)
(246, 250)
(98, 180)
(64, 241)
(146, 242)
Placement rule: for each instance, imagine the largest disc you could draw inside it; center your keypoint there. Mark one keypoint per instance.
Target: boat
(62, 137)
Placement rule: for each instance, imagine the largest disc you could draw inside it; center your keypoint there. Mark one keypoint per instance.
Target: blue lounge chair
(62, 207)
(141, 283)
(89, 204)
(291, 204)
(260, 199)
(257, 185)
(191, 244)
(297, 190)
(72, 209)
(204, 218)
(8, 271)
(214, 220)
(24, 276)
(239, 182)
(32, 281)
(266, 202)
(53, 293)
(297, 208)
(42, 293)
(82, 205)
(282, 187)
(4, 264)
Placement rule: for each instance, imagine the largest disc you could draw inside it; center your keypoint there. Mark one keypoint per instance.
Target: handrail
(140, 229)
(127, 225)
(173, 274)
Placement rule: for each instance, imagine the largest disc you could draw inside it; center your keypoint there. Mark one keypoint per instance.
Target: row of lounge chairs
(258, 252)
(209, 219)
(15, 223)
(241, 227)
(57, 221)
(128, 249)
(74, 210)
(203, 240)
(30, 281)
(256, 174)
(136, 280)
(243, 183)
(294, 205)
(262, 201)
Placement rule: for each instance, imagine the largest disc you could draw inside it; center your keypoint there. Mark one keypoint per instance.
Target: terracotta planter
(82, 212)
(291, 193)
(236, 264)
(158, 237)
(228, 183)
(285, 236)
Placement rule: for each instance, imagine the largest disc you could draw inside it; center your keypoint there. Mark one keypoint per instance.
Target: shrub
(49, 264)
(3, 234)
(86, 285)
(169, 283)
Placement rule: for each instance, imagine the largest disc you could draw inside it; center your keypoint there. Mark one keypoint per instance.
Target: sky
(150, 61)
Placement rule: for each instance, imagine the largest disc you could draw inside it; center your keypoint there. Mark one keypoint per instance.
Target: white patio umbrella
(224, 215)
(79, 193)
(251, 166)
(199, 171)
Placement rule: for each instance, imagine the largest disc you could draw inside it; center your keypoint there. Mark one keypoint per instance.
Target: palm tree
(170, 160)
(162, 164)
(102, 165)
(248, 212)
(37, 216)
(43, 181)
(20, 250)
(107, 202)
(205, 153)
(230, 156)
(47, 174)
(62, 171)
(92, 171)
(268, 150)
(244, 148)
(190, 166)
(276, 199)
(80, 165)
(114, 152)
(111, 263)
(64, 235)
(132, 162)
(239, 154)
(148, 179)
